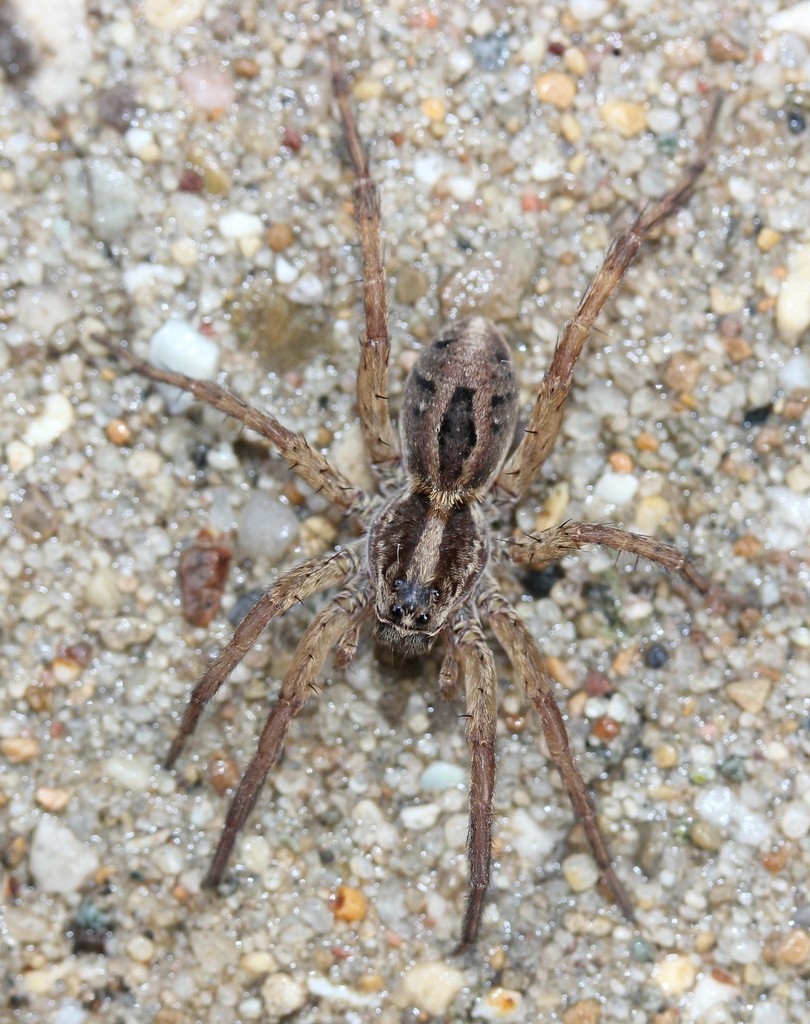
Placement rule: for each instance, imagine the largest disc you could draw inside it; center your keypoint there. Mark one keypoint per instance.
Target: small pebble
(682, 372)
(238, 224)
(795, 949)
(59, 862)
(675, 974)
(171, 14)
(615, 488)
(721, 806)
(432, 986)
(266, 528)
(556, 88)
(795, 819)
(19, 749)
(580, 872)
(179, 347)
(588, 10)
(628, 119)
(349, 904)
(793, 301)
(308, 290)
(282, 995)
(586, 1011)
(280, 237)
(141, 948)
(795, 18)
(711, 991)
(442, 775)
(500, 1004)
(750, 694)
(52, 799)
(428, 167)
(55, 417)
(419, 817)
(207, 88)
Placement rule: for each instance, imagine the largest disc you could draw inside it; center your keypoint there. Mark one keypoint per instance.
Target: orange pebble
(350, 904)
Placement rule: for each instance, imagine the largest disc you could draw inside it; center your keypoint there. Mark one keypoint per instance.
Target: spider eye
(422, 619)
(435, 593)
(397, 584)
(396, 611)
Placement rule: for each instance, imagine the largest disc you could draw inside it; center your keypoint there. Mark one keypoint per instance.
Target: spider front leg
(530, 668)
(300, 582)
(372, 376)
(480, 684)
(547, 414)
(328, 629)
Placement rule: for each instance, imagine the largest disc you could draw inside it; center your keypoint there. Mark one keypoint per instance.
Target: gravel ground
(180, 163)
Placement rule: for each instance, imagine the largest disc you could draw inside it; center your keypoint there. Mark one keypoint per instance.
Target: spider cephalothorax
(429, 569)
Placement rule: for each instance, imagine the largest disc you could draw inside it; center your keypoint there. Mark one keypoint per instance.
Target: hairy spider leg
(300, 582)
(547, 414)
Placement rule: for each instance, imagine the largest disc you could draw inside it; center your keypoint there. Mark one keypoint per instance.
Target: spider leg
(529, 665)
(372, 377)
(552, 545)
(326, 630)
(309, 464)
(478, 667)
(547, 413)
(301, 581)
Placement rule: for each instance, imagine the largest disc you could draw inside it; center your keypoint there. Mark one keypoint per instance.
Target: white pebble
(663, 120)
(442, 775)
(285, 271)
(580, 872)
(787, 519)
(140, 142)
(793, 19)
(206, 87)
(266, 528)
(709, 993)
(428, 167)
(793, 301)
(54, 419)
(720, 806)
(462, 187)
(482, 23)
(282, 994)
(307, 290)
(528, 837)
(129, 771)
(180, 347)
(547, 167)
(504, 1004)
(419, 817)
(616, 488)
(588, 10)
(19, 456)
(292, 56)
(169, 14)
(742, 189)
(43, 310)
(238, 224)
(59, 862)
(432, 986)
(795, 823)
(795, 374)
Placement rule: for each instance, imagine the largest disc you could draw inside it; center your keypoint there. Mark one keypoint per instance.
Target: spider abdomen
(459, 410)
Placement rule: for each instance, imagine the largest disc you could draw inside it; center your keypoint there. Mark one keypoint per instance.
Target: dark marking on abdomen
(457, 435)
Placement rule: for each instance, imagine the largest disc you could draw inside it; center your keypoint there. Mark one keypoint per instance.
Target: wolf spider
(429, 566)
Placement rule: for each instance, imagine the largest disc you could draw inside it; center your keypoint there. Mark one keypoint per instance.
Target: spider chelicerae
(428, 568)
